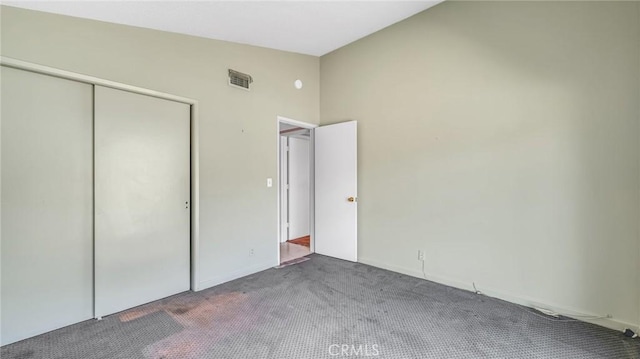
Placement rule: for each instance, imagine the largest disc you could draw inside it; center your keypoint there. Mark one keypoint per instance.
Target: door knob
(351, 199)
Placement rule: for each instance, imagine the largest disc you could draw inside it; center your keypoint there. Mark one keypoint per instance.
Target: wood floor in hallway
(303, 241)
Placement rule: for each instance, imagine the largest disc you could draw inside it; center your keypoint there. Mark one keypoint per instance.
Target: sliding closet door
(142, 199)
(47, 204)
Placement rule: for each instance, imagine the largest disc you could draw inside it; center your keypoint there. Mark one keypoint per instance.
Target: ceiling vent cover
(238, 79)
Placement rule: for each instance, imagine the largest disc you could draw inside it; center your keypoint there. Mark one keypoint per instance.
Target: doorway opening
(295, 188)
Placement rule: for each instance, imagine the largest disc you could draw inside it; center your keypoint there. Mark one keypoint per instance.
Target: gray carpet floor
(327, 308)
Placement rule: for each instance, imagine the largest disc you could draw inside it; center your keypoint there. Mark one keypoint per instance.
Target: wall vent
(240, 80)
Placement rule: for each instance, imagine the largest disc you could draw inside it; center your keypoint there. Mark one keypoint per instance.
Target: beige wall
(502, 139)
(237, 128)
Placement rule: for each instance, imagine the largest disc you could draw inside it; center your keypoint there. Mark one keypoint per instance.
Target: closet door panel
(47, 203)
(142, 149)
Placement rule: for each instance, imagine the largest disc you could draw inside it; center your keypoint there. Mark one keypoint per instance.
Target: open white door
(336, 191)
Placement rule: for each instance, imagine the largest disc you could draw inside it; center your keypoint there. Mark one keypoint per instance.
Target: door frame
(311, 127)
(283, 195)
(194, 134)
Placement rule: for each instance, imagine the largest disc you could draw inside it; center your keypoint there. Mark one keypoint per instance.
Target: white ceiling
(307, 27)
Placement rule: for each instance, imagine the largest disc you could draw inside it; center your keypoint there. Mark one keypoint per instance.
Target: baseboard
(227, 277)
(610, 323)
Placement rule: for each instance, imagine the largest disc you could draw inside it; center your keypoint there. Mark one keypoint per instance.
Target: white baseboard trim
(227, 277)
(610, 323)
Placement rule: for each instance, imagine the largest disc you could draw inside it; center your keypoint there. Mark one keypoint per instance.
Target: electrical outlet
(251, 252)
(420, 255)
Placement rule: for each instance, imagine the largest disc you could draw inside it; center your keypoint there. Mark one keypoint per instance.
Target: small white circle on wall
(298, 84)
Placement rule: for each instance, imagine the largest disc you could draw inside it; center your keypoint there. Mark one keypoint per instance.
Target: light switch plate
(269, 182)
